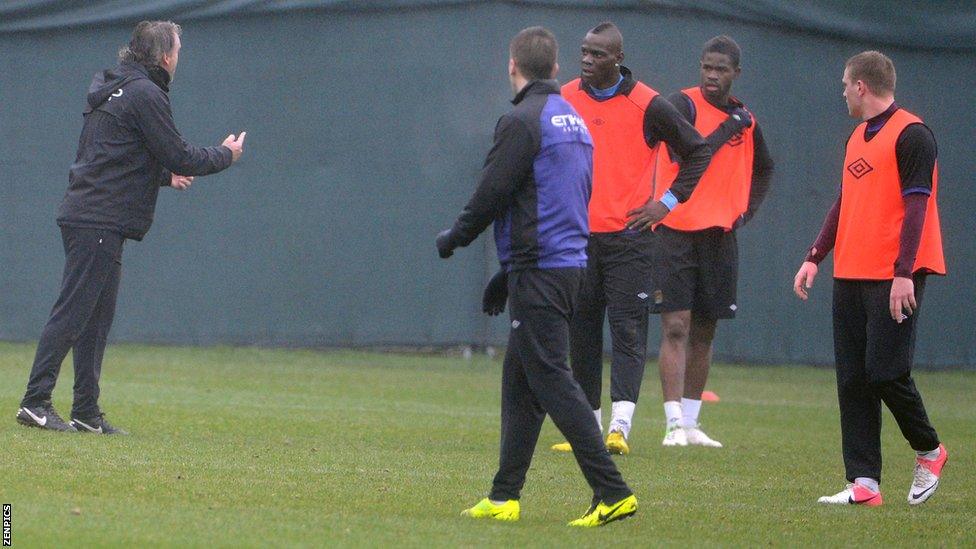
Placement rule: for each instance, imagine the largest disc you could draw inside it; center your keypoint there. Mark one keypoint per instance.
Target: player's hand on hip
(803, 280)
(902, 301)
(235, 144)
(645, 217)
(181, 182)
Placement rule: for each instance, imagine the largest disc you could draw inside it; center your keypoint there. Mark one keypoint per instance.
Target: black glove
(742, 117)
(445, 244)
(496, 294)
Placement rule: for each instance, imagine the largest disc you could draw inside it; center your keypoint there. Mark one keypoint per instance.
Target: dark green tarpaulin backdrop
(367, 123)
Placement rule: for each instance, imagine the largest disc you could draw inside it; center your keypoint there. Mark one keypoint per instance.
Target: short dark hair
(534, 50)
(874, 69)
(150, 41)
(725, 45)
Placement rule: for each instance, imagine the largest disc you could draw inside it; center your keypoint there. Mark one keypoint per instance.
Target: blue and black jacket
(535, 184)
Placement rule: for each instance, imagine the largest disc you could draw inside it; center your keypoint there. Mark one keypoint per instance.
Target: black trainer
(44, 417)
(98, 425)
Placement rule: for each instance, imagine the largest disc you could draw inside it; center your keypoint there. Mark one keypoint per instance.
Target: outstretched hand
(236, 145)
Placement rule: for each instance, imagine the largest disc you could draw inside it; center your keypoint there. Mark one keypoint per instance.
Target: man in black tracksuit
(129, 148)
(535, 187)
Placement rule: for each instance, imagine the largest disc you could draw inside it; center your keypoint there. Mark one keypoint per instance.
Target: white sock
(869, 483)
(689, 410)
(932, 455)
(621, 416)
(598, 414)
(672, 412)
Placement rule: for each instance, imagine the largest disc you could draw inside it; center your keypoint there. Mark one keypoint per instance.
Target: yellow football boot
(562, 447)
(617, 444)
(602, 514)
(485, 509)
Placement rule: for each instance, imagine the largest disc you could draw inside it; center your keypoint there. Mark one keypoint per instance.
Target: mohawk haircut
(608, 27)
(604, 26)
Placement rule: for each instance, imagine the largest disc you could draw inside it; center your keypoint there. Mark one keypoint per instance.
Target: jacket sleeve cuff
(228, 156)
(815, 258)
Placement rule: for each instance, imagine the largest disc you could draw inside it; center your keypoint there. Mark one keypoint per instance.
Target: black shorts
(619, 272)
(866, 336)
(697, 271)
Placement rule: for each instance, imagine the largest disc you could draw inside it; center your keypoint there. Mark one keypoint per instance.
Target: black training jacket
(129, 147)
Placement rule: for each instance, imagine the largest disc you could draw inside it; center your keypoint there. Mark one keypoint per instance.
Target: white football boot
(697, 437)
(674, 436)
(854, 494)
(927, 474)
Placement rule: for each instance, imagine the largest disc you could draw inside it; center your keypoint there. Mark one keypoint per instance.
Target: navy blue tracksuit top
(535, 184)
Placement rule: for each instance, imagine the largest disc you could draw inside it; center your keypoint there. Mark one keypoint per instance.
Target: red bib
(722, 194)
(872, 208)
(623, 164)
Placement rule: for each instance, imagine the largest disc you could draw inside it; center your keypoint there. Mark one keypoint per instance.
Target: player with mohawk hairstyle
(628, 121)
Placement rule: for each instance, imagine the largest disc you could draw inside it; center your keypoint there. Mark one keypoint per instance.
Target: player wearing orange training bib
(629, 122)
(884, 230)
(698, 261)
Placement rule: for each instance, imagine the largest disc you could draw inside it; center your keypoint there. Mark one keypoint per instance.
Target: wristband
(669, 200)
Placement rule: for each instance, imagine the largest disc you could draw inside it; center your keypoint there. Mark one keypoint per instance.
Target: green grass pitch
(235, 447)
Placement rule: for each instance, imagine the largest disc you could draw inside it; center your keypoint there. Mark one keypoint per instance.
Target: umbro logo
(735, 140)
(642, 295)
(516, 324)
(859, 168)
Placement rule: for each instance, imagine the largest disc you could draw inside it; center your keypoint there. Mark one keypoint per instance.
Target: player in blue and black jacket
(535, 188)
(535, 185)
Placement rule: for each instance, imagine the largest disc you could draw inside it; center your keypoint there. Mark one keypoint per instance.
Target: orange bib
(872, 208)
(623, 164)
(722, 194)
